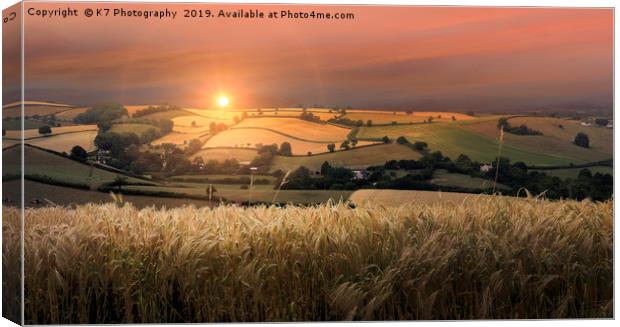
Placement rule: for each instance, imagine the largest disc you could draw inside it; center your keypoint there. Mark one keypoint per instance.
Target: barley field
(485, 257)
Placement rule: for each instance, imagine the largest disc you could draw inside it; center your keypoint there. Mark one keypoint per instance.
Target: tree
(325, 167)
(430, 120)
(285, 149)
(402, 140)
(194, 122)
(502, 123)
(104, 126)
(345, 145)
(385, 139)
(453, 118)
(601, 121)
(369, 123)
(420, 146)
(582, 140)
(101, 112)
(331, 147)
(45, 130)
(213, 127)
(78, 152)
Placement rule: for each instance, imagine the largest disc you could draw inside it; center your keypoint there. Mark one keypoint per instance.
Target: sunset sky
(451, 58)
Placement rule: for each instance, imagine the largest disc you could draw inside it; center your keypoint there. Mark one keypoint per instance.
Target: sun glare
(223, 101)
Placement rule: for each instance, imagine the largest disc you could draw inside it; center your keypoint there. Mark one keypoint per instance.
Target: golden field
(482, 258)
(32, 133)
(249, 138)
(299, 128)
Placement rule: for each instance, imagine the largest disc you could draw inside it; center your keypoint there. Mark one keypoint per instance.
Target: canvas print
(205, 162)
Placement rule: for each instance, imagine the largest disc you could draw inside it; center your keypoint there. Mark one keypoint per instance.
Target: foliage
(101, 113)
(582, 140)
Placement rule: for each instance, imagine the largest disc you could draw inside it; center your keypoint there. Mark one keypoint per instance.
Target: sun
(223, 101)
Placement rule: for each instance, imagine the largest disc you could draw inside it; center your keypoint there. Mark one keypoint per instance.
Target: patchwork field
(360, 157)
(32, 108)
(298, 128)
(15, 124)
(179, 139)
(444, 178)
(452, 140)
(65, 142)
(132, 128)
(70, 113)
(34, 133)
(556, 141)
(221, 154)
(249, 138)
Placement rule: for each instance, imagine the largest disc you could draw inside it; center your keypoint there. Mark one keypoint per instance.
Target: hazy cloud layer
(451, 58)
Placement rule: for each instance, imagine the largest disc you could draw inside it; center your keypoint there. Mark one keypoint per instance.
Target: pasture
(137, 129)
(298, 128)
(250, 138)
(70, 114)
(359, 157)
(40, 162)
(179, 139)
(34, 133)
(221, 154)
(444, 178)
(453, 140)
(483, 257)
(65, 142)
(64, 196)
(557, 141)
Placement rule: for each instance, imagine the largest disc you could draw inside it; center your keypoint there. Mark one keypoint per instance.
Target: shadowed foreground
(490, 257)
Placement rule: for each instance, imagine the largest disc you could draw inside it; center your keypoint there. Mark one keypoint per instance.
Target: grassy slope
(444, 178)
(65, 142)
(221, 154)
(70, 196)
(132, 128)
(44, 163)
(299, 128)
(453, 141)
(482, 258)
(251, 137)
(365, 156)
(555, 141)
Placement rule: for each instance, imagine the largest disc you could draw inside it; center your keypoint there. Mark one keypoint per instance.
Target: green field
(16, 124)
(574, 172)
(556, 141)
(444, 178)
(452, 140)
(360, 157)
(41, 162)
(221, 154)
(70, 196)
(138, 129)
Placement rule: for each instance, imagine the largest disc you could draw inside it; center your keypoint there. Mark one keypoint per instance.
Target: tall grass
(484, 258)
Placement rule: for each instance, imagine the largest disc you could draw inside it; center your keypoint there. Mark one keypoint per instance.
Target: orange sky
(393, 57)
